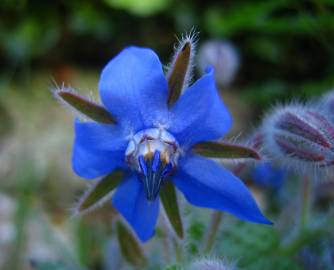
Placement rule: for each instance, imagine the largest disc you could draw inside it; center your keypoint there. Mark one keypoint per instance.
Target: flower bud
(223, 57)
(299, 136)
(256, 140)
(327, 102)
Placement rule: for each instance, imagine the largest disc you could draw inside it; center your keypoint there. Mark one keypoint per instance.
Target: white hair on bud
(188, 37)
(268, 129)
(272, 149)
(212, 263)
(326, 104)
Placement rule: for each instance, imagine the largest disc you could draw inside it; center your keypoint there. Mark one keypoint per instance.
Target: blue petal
(134, 89)
(131, 202)
(206, 184)
(200, 114)
(267, 175)
(98, 149)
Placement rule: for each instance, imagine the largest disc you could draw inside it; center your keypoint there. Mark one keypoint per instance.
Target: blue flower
(268, 175)
(152, 142)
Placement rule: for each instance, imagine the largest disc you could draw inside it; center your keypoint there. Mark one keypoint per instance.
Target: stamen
(142, 165)
(152, 172)
(168, 168)
(156, 160)
(153, 153)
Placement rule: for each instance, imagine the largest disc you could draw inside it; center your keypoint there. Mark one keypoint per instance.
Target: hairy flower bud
(299, 136)
(327, 102)
(223, 57)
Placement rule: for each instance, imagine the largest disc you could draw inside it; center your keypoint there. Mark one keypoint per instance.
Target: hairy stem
(178, 250)
(216, 219)
(166, 241)
(305, 202)
(304, 234)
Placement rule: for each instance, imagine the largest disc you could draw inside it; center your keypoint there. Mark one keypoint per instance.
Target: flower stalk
(305, 201)
(216, 220)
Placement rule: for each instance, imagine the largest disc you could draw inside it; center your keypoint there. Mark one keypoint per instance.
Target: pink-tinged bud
(299, 136)
(256, 140)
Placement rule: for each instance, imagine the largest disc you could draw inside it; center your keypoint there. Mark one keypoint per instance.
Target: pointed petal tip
(145, 238)
(267, 221)
(130, 201)
(257, 217)
(210, 70)
(141, 235)
(262, 220)
(129, 246)
(270, 223)
(206, 184)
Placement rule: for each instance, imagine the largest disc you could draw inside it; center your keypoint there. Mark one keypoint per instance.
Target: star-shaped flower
(153, 133)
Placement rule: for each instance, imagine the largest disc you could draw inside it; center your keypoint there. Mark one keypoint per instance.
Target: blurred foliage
(255, 242)
(140, 7)
(285, 45)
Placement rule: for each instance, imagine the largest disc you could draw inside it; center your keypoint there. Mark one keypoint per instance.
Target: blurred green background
(286, 52)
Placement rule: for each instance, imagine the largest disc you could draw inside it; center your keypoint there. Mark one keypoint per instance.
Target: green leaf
(169, 201)
(90, 109)
(225, 150)
(177, 75)
(99, 192)
(129, 246)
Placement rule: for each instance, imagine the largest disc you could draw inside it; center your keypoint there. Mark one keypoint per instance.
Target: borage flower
(153, 134)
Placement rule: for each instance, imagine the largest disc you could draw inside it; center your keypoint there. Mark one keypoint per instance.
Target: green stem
(216, 219)
(304, 234)
(305, 202)
(170, 243)
(178, 250)
(165, 241)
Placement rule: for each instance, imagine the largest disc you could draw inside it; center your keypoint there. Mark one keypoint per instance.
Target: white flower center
(153, 153)
(146, 142)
